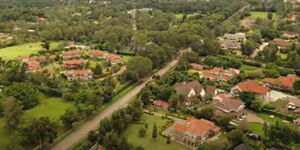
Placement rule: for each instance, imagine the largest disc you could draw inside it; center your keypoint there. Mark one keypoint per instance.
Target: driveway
(93, 124)
(259, 49)
(252, 117)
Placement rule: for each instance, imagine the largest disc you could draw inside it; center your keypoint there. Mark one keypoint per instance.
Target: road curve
(81, 133)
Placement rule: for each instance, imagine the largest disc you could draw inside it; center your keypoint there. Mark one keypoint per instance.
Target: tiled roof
(253, 86)
(193, 126)
(72, 52)
(113, 57)
(98, 53)
(295, 101)
(161, 103)
(74, 62)
(221, 74)
(52, 57)
(229, 104)
(80, 72)
(185, 88)
(210, 89)
(197, 66)
(282, 42)
(287, 81)
(34, 64)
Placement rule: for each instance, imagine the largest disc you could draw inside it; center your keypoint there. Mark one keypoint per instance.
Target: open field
(148, 142)
(250, 69)
(25, 49)
(126, 58)
(262, 15)
(180, 15)
(271, 119)
(256, 128)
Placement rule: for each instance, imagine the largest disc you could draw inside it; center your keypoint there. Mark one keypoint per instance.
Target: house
(114, 59)
(4, 36)
(194, 132)
(42, 19)
(290, 35)
(71, 54)
(243, 147)
(294, 104)
(211, 91)
(24, 58)
(297, 122)
(52, 57)
(251, 86)
(232, 41)
(81, 75)
(220, 74)
(248, 22)
(42, 58)
(292, 18)
(197, 66)
(69, 64)
(98, 54)
(227, 103)
(33, 67)
(161, 104)
(282, 82)
(281, 43)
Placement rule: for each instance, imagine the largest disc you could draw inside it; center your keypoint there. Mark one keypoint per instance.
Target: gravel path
(82, 132)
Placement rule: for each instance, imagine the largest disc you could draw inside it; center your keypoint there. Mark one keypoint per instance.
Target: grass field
(271, 119)
(256, 128)
(249, 69)
(148, 142)
(52, 107)
(262, 15)
(126, 58)
(25, 49)
(180, 15)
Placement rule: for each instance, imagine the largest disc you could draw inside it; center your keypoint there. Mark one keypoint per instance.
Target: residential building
(294, 104)
(71, 54)
(227, 103)
(24, 58)
(81, 75)
(4, 36)
(52, 57)
(33, 67)
(290, 35)
(220, 74)
(282, 82)
(114, 59)
(70, 64)
(161, 104)
(197, 66)
(189, 89)
(194, 132)
(211, 91)
(232, 41)
(282, 43)
(251, 86)
(98, 54)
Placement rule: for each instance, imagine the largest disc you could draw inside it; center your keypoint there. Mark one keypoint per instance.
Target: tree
(26, 93)
(40, 132)
(270, 16)
(142, 132)
(12, 113)
(235, 136)
(206, 112)
(98, 69)
(138, 67)
(46, 45)
(168, 140)
(247, 97)
(140, 148)
(296, 85)
(248, 47)
(154, 131)
(69, 117)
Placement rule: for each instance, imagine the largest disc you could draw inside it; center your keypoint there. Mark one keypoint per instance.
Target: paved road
(259, 49)
(81, 133)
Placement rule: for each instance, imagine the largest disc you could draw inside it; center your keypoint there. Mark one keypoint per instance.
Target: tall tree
(154, 131)
(12, 113)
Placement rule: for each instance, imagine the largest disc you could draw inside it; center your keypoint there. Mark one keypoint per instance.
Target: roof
(229, 104)
(221, 74)
(72, 52)
(42, 58)
(80, 72)
(223, 96)
(34, 64)
(197, 66)
(42, 19)
(24, 57)
(74, 62)
(289, 33)
(235, 36)
(282, 42)
(185, 88)
(98, 53)
(161, 103)
(113, 57)
(243, 147)
(210, 89)
(294, 101)
(287, 81)
(253, 86)
(52, 57)
(198, 127)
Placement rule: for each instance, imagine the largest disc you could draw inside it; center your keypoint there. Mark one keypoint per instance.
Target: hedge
(280, 115)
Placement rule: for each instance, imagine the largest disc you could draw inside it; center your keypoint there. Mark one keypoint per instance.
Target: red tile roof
(80, 72)
(112, 57)
(74, 62)
(253, 86)
(295, 101)
(161, 103)
(71, 43)
(193, 126)
(42, 58)
(197, 66)
(287, 81)
(52, 57)
(34, 64)
(221, 74)
(223, 96)
(72, 52)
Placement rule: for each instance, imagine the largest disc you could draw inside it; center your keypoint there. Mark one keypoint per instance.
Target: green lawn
(126, 58)
(249, 69)
(148, 142)
(5, 137)
(180, 15)
(270, 118)
(25, 49)
(256, 128)
(52, 107)
(262, 15)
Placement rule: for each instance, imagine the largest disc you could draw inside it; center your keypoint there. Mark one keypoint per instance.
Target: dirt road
(259, 49)
(81, 133)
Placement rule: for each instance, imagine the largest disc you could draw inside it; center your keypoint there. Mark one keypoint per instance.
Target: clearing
(26, 49)
(256, 128)
(262, 15)
(148, 142)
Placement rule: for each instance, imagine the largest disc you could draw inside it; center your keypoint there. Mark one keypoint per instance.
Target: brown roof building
(281, 43)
